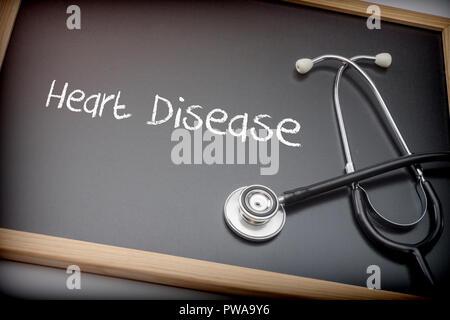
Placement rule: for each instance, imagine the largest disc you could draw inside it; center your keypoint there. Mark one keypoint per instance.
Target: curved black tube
(299, 194)
(416, 249)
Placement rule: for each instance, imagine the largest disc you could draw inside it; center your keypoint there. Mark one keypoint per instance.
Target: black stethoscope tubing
(300, 194)
(360, 199)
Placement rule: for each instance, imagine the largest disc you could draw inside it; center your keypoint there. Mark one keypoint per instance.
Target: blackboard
(113, 182)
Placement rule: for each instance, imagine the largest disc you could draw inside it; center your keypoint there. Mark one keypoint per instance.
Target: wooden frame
(190, 273)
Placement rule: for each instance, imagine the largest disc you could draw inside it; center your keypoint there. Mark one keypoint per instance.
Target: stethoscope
(256, 213)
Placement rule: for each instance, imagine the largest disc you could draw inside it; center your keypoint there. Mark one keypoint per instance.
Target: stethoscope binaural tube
(363, 206)
(360, 198)
(383, 60)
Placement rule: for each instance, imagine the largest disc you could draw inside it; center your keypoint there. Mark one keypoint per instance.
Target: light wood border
(173, 270)
(190, 273)
(8, 13)
(391, 14)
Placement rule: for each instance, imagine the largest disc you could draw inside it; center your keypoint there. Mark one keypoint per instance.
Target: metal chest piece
(254, 213)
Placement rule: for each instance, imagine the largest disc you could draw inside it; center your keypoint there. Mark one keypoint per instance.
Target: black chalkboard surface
(111, 181)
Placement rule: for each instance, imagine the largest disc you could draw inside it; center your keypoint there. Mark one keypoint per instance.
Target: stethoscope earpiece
(383, 60)
(254, 213)
(304, 65)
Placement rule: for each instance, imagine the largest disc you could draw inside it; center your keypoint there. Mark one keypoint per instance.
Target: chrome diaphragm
(254, 213)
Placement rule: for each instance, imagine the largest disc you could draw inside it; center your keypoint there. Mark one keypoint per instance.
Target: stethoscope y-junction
(256, 213)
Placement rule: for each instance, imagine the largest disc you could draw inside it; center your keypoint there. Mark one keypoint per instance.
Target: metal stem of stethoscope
(378, 96)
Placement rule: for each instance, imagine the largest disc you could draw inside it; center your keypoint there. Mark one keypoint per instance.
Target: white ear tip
(383, 60)
(304, 65)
